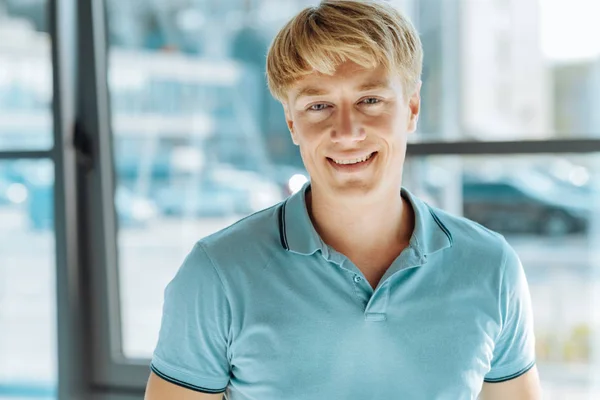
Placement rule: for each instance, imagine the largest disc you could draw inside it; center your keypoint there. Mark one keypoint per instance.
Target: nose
(347, 127)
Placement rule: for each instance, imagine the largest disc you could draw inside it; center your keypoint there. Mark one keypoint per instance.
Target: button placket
(377, 306)
(359, 289)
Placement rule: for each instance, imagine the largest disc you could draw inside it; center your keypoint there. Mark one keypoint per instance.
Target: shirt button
(357, 278)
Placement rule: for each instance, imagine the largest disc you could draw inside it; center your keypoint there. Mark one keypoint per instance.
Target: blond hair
(368, 33)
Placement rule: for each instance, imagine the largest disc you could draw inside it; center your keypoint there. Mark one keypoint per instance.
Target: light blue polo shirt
(264, 310)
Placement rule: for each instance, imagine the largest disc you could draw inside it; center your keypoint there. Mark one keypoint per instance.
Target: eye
(318, 107)
(371, 101)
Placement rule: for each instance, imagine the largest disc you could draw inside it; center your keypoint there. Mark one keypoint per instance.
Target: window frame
(69, 310)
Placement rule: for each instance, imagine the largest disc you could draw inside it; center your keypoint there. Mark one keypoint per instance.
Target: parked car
(522, 205)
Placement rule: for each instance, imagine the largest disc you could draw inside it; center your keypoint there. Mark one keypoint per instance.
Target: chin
(355, 187)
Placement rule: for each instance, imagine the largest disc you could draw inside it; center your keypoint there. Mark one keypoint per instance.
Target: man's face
(352, 128)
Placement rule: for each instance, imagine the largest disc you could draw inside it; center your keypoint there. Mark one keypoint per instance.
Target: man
(353, 288)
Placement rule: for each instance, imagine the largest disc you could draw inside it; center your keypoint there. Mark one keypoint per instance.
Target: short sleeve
(514, 352)
(192, 344)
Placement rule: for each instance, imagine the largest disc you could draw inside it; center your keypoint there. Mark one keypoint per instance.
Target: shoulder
(468, 231)
(474, 244)
(253, 238)
(230, 253)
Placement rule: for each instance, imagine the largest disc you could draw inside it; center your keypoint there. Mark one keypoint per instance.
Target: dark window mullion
(513, 147)
(111, 373)
(71, 310)
(27, 154)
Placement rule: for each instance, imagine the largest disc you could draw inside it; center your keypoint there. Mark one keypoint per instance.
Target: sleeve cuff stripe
(184, 384)
(510, 377)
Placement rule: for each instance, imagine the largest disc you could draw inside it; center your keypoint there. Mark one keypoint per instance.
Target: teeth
(355, 161)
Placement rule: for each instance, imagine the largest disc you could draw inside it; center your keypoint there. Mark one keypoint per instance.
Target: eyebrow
(375, 84)
(309, 91)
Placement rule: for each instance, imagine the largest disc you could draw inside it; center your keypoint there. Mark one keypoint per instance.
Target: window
(504, 67)
(28, 361)
(27, 280)
(25, 78)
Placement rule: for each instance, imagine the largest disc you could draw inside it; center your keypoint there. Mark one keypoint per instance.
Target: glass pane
(519, 69)
(25, 76)
(27, 281)
(548, 208)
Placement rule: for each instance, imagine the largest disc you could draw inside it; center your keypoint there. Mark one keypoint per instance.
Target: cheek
(391, 130)
(308, 133)
(308, 141)
(387, 122)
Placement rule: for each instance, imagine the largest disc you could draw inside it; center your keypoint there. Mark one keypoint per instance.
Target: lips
(352, 159)
(348, 167)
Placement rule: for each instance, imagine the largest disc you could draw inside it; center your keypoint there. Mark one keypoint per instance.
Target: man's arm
(160, 389)
(525, 387)
(514, 349)
(190, 360)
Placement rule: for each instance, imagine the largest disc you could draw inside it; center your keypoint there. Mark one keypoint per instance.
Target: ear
(290, 123)
(414, 107)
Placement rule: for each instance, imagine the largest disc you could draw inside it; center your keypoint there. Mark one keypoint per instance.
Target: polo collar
(298, 235)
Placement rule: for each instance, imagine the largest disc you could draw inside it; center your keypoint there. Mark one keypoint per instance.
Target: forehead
(347, 76)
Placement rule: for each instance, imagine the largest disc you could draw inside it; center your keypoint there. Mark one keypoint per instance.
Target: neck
(360, 226)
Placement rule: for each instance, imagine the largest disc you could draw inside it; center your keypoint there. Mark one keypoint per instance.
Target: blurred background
(176, 136)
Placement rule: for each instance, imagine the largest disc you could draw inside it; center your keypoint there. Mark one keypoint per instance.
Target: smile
(352, 161)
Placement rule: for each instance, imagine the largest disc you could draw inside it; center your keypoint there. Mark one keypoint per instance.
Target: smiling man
(352, 288)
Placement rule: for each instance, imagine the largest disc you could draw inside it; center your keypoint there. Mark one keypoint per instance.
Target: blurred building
(576, 99)
(505, 85)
